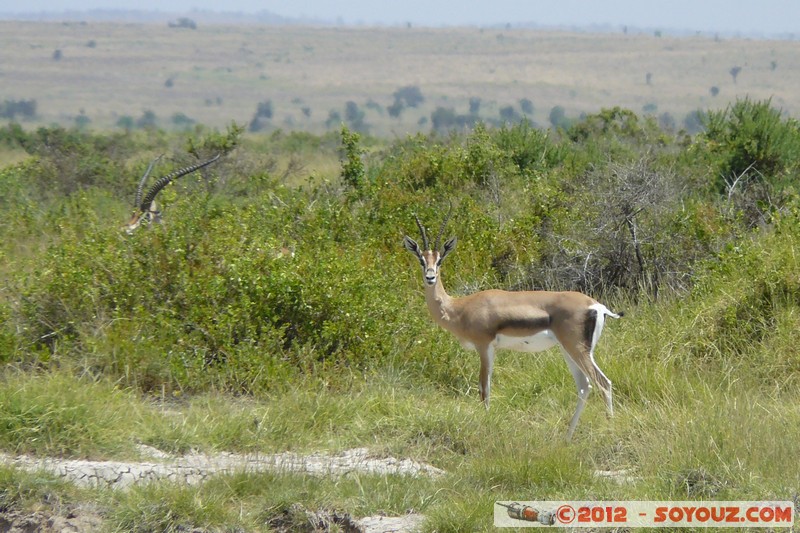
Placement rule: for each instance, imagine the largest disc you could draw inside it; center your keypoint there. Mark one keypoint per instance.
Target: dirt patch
(77, 521)
(296, 518)
(196, 468)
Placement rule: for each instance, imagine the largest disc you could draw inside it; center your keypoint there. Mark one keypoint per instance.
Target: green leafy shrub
(751, 139)
(250, 284)
(352, 165)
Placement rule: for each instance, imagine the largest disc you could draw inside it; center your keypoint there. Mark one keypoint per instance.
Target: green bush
(750, 139)
(249, 283)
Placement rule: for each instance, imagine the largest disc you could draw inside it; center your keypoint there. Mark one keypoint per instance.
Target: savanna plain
(274, 309)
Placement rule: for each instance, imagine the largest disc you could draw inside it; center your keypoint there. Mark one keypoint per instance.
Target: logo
(628, 514)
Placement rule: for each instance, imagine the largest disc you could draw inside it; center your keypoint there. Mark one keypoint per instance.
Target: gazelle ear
(412, 246)
(449, 246)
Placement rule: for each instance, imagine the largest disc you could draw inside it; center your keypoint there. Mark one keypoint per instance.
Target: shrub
(208, 300)
(751, 140)
(352, 165)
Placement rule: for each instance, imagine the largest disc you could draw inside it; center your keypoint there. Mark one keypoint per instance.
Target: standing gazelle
(525, 321)
(144, 205)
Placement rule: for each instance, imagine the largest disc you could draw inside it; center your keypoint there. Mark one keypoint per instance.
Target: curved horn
(422, 231)
(137, 201)
(163, 182)
(444, 224)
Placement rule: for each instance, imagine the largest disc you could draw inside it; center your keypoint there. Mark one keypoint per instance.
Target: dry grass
(220, 73)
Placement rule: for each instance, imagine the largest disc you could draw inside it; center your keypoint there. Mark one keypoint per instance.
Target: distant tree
(18, 108)
(396, 108)
(558, 117)
(92, 43)
(57, 55)
(183, 22)
(509, 114)
(648, 78)
(667, 122)
(334, 119)
(474, 105)
(734, 72)
(181, 120)
(354, 117)
(773, 65)
(650, 108)
(306, 111)
(126, 122)
(82, 121)
(714, 90)
(411, 95)
(374, 106)
(443, 118)
(169, 83)
(693, 122)
(352, 113)
(526, 105)
(257, 124)
(264, 109)
(147, 120)
(262, 116)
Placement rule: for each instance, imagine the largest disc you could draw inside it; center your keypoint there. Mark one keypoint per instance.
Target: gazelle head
(144, 205)
(430, 258)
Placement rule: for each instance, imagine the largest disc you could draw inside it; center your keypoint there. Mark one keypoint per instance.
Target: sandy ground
(196, 468)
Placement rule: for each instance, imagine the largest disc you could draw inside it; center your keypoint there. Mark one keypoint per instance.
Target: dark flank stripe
(525, 324)
(588, 326)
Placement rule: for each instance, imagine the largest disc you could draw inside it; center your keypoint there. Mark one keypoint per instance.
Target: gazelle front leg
(487, 364)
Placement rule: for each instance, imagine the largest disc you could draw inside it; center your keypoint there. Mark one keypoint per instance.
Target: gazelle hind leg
(584, 388)
(604, 384)
(599, 377)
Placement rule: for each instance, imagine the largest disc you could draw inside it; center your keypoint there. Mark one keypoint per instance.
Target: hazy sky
(743, 16)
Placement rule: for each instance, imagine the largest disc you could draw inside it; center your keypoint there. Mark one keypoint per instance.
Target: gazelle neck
(440, 304)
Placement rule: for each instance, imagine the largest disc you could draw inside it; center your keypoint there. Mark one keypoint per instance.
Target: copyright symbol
(565, 514)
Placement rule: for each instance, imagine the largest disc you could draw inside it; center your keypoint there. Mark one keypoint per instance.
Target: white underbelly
(533, 343)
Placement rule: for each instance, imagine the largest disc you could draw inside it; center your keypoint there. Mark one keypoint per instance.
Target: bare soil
(195, 468)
